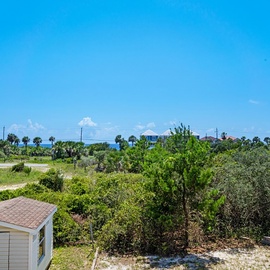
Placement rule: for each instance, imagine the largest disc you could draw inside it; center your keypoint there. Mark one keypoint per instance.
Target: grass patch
(72, 258)
(10, 178)
(68, 168)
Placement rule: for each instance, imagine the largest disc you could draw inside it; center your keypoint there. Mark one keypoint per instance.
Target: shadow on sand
(191, 261)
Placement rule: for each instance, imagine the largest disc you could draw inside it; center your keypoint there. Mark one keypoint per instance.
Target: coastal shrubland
(172, 196)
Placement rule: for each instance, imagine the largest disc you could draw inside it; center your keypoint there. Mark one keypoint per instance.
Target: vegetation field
(167, 198)
(7, 177)
(72, 258)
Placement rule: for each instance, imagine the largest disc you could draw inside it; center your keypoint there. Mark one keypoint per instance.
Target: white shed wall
(48, 246)
(4, 250)
(18, 249)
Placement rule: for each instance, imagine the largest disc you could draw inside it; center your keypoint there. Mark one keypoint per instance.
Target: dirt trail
(12, 187)
(40, 167)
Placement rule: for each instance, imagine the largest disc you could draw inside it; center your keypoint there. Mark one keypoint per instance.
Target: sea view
(48, 145)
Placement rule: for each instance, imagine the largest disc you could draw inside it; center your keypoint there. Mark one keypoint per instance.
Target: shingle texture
(24, 212)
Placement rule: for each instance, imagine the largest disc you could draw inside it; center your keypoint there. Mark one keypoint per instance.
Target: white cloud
(254, 102)
(30, 126)
(87, 121)
(249, 129)
(210, 130)
(139, 127)
(151, 125)
(15, 128)
(34, 126)
(172, 123)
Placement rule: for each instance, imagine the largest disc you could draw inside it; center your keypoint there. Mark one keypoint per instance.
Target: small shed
(26, 234)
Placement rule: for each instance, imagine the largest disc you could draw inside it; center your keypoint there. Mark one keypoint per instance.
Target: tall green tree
(11, 138)
(58, 150)
(17, 141)
(256, 142)
(37, 141)
(267, 140)
(73, 149)
(180, 182)
(25, 141)
(52, 139)
(123, 144)
(134, 160)
(118, 139)
(132, 139)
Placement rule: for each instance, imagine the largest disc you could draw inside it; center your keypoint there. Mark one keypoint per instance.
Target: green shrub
(78, 204)
(27, 170)
(6, 195)
(53, 179)
(78, 185)
(18, 167)
(65, 229)
(124, 232)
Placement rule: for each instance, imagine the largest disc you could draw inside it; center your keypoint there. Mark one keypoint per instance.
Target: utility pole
(81, 136)
(3, 133)
(216, 133)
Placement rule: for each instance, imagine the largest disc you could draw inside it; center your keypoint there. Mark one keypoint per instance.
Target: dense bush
(18, 167)
(147, 200)
(244, 178)
(52, 179)
(27, 170)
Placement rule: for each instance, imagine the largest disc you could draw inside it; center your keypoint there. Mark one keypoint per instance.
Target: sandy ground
(12, 187)
(238, 259)
(32, 165)
(40, 167)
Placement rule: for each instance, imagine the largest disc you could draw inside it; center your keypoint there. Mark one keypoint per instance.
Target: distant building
(195, 134)
(229, 138)
(166, 134)
(209, 139)
(150, 135)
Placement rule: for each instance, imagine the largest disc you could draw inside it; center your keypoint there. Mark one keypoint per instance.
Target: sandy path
(32, 165)
(12, 187)
(40, 167)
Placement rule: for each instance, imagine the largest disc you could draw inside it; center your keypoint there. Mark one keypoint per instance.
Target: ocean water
(48, 145)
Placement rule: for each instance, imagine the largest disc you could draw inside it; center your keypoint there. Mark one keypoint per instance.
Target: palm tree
(25, 141)
(58, 150)
(52, 139)
(267, 140)
(118, 139)
(132, 139)
(37, 141)
(11, 138)
(256, 139)
(17, 141)
(223, 135)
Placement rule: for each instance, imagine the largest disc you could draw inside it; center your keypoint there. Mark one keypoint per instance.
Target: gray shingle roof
(24, 212)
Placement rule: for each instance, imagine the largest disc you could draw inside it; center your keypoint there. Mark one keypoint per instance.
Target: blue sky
(122, 67)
